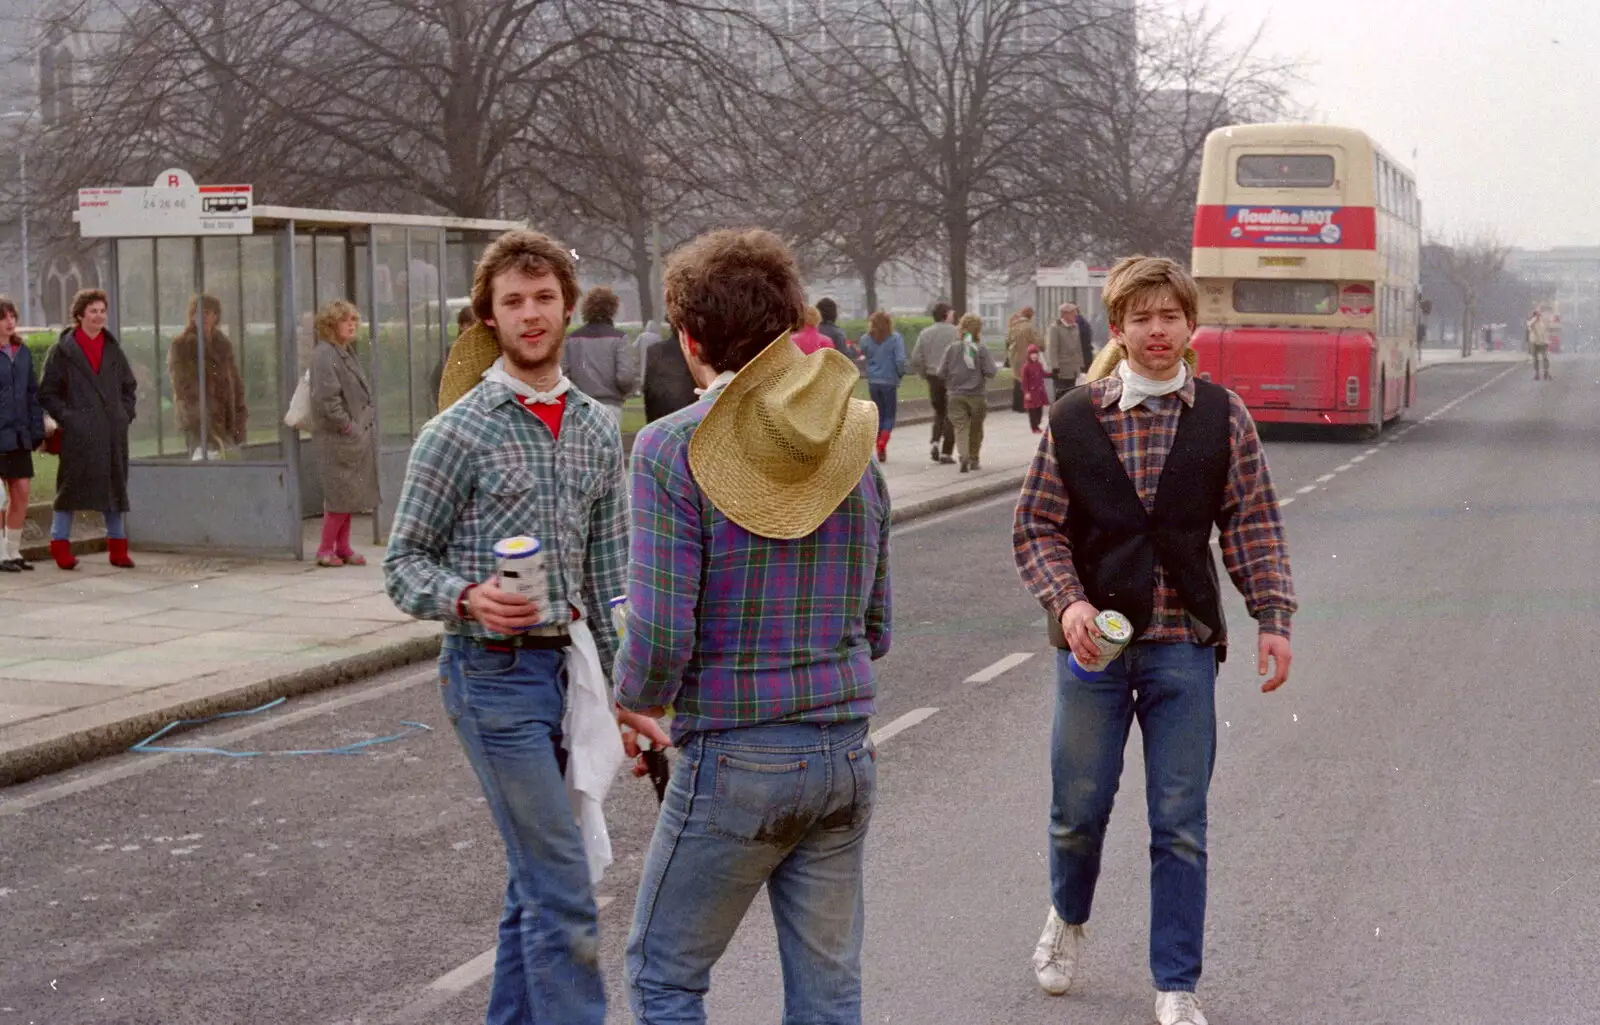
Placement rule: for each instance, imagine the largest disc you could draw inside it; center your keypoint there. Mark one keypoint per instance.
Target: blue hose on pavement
(149, 746)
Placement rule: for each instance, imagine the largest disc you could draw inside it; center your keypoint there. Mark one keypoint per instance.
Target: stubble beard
(532, 369)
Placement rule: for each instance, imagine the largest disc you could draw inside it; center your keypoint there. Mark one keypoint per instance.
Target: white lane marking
(1356, 459)
(900, 725)
(149, 762)
(1285, 501)
(1371, 451)
(1307, 489)
(1325, 478)
(1009, 662)
(459, 978)
(1346, 466)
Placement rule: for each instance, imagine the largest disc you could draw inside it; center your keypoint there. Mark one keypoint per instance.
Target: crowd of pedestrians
(749, 546)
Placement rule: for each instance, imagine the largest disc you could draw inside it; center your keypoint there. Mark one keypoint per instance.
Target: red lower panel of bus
(1292, 375)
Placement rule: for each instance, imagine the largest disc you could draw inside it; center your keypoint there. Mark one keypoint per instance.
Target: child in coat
(1034, 396)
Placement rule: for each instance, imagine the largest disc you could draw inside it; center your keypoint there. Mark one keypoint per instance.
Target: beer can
(619, 616)
(1110, 635)
(521, 570)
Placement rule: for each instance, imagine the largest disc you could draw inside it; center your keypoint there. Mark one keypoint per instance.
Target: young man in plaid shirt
(757, 601)
(524, 453)
(1116, 513)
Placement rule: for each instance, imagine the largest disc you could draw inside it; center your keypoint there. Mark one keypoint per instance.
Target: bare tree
(1472, 262)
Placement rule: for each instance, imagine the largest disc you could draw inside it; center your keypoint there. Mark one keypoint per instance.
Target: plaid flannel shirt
(732, 629)
(487, 469)
(1253, 547)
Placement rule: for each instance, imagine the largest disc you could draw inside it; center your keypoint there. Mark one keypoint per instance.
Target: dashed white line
(1285, 501)
(1346, 466)
(1325, 478)
(1357, 459)
(1370, 452)
(900, 725)
(1306, 490)
(1009, 662)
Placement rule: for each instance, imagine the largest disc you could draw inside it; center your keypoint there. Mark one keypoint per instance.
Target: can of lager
(619, 616)
(520, 570)
(1110, 635)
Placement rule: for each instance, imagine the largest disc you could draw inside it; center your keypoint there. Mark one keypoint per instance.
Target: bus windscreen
(1285, 171)
(1286, 297)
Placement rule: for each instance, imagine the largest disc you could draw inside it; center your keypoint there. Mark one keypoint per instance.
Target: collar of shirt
(717, 385)
(1110, 391)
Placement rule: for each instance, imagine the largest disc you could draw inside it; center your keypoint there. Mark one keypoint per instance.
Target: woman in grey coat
(343, 421)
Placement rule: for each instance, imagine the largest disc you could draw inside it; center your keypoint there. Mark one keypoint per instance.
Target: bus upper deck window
(1285, 171)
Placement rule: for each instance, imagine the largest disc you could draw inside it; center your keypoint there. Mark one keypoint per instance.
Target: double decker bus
(1306, 251)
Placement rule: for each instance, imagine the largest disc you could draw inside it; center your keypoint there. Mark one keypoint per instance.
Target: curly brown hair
(532, 254)
(733, 293)
(86, 296)
(1137, 282)
(333, 313)
(600, 305)
(7, 306)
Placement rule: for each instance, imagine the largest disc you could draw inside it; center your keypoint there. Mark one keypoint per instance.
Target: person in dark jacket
(89, 389)
(21, 431)
(668, 385)
(226, 414)
(1085, 338)
(597, 357)
(834, 333)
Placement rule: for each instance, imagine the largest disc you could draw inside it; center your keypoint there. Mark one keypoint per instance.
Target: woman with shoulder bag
(342, 430)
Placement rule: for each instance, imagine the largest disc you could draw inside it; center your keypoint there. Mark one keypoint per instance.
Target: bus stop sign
(173, 206)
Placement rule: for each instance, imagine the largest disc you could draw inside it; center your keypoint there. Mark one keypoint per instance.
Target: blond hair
(332, 314)
(971, 324)
(811, 317)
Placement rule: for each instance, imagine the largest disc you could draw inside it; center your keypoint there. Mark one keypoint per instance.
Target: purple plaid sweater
(732, 629)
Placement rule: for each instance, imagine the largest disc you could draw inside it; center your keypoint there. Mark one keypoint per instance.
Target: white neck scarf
(721, 381)
(1136, 387)
(497, 372)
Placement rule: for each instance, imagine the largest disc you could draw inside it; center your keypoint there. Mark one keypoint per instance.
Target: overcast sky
(1500, 99)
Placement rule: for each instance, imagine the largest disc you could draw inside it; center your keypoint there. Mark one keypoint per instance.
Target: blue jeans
(781, 805)
(887, 399)
(506, 707)
(1171, 689)
(61, 525)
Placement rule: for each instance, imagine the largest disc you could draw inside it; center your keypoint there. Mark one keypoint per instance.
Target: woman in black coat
(89, 389)
(21, 431)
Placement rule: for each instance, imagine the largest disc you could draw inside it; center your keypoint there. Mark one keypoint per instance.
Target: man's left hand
(1277, 648)
(632, 724)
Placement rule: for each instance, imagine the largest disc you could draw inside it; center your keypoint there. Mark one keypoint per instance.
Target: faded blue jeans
(784, 805)
(1171, 690)
(506, 707)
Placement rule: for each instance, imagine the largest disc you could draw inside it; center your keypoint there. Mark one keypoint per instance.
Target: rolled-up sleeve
(414, 571)
(664, 573)
(1039, 535)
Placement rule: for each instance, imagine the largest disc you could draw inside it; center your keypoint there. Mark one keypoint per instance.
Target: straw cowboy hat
(474, 351)
(785, 442)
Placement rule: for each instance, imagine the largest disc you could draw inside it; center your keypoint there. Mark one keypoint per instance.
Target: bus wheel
(1380, 399)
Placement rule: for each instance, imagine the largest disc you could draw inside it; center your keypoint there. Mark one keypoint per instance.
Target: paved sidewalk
(1447, 357)
(92, 661)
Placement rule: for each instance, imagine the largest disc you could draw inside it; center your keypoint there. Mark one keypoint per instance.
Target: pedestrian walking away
(807, 338)
(343, 432)
(1034, 394)
(1020, 336)
(758, 598)
(668, 385)
(835, 334)
(523, 676)
(1063, 350)
(885, 354)
(1116, 515)
(1539, 344)
(598, 358)
(967, 369)
(1085, 337)
(927, 359)
(223, 408)
(21, 431)
(88, 388)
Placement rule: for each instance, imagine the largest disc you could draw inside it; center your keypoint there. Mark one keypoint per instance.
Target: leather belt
(531, 641)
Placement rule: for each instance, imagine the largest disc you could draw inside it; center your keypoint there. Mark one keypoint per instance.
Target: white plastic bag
(299, 414)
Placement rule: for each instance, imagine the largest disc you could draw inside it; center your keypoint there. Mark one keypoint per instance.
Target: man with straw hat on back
(758, 598)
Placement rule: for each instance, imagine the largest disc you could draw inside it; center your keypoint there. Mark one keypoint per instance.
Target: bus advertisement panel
(1306, 249)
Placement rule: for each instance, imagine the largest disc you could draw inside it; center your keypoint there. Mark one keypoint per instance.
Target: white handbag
(299, 414)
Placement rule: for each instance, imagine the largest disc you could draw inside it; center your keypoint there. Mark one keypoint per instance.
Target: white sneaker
(1055, 959)
(1178, 1008)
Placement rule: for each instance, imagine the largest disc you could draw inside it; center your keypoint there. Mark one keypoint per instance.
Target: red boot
(883, 446)
(61, 551)
(118, 546)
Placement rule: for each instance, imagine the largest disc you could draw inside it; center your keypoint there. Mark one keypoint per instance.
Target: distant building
(1568, 278)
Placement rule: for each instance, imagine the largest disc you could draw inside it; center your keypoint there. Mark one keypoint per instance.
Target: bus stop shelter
(270, 269)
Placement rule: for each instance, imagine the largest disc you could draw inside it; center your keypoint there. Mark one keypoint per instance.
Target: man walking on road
(526, 453)
(757, 602)
(598, 357)
(1539, 344)
(927, 356)
(1116, 514)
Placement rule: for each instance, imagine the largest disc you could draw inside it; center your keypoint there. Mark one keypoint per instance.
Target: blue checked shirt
(487, 469)
(732, 629)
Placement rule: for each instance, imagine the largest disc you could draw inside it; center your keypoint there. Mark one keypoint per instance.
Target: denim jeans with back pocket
(782, 805)
(506, 707)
